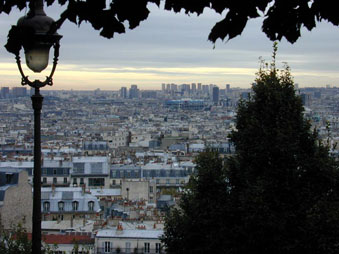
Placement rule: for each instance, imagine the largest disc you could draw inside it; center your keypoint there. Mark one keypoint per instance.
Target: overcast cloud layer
(173, 48)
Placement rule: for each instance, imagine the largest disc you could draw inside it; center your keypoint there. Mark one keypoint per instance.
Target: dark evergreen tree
(197, 225)
(277, 194)
(284, 184)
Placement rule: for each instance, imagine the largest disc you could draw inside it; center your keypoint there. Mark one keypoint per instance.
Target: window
(55, 180)
(146, 248)
(81, 180)
(61, 206)
(157, 181)
(78, 167)
(9, 178)
(90, 206)
(107, 247)
(96, 167)
(65, 179)
(54, 171)
(44, 180)
(128, 247)
(75, 181)
(151, 189)
(46, 206)
(65, 171)
(157, 247)
(96, 182)
(177, 181)
(75, 205)
(167, 181)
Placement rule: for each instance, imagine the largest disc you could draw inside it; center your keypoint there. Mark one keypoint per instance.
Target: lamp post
(34, 32)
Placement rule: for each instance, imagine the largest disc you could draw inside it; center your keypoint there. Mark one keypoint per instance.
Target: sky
(173, 48)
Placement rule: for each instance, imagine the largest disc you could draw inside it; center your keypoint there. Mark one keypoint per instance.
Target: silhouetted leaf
(230, 27)
(283, 18)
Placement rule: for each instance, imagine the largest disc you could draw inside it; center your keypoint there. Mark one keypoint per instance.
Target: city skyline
(173, 48)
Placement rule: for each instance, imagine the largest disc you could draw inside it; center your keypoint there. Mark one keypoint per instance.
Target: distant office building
(205, 88)
(211, 88)
(317, 94)
(186, 104)
(19, 91)
(306, 99)
(194, 87)
(168, 87)
(199, 86)
(149, 94)
(4, 92)
(163, 87)
(215, 95)
(245, 95)
(228, 88)
(133, 92)
(123, 92)
(174, 87)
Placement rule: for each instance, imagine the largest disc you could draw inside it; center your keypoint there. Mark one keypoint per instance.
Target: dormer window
(75, 205)
(90, 206)
(61, 206)
(46, 206)
(9, 178)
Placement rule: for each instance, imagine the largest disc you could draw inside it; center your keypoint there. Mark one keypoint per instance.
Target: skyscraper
(194, 88)
(4, 93)
(133, 92)
(19, 91)
(123, 92)
(215, 95)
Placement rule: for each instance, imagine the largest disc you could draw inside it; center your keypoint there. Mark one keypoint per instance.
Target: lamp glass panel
(37, 58)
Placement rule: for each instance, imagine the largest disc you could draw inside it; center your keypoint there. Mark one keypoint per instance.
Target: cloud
(173, 48)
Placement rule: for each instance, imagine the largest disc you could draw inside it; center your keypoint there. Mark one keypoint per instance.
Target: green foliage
(282, 18)
(279, 193)
(284, 183)
(15, 241)
(196, 226)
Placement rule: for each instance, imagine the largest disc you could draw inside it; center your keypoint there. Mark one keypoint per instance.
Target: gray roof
(130, 233)
(8, 178)
(2, 195)
(68, 195)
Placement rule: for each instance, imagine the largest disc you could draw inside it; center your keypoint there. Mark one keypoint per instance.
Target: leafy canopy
(279, 192)
(282, 18)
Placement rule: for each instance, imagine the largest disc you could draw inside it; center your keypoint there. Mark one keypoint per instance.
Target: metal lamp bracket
(37, 83)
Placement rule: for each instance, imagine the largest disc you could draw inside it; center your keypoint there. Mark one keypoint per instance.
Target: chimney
(119, 229)
(83, 189)
(53, 189)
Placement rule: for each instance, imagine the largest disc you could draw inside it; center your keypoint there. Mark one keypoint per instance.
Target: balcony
(128, 251)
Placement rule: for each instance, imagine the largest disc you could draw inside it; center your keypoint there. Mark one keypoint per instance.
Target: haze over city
(173, 48)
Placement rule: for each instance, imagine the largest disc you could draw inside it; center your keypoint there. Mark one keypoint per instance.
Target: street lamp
(34, 32)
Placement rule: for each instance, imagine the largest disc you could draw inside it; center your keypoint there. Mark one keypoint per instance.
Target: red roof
(65, 239)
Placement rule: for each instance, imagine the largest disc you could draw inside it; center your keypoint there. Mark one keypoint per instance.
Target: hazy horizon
(173, 48)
